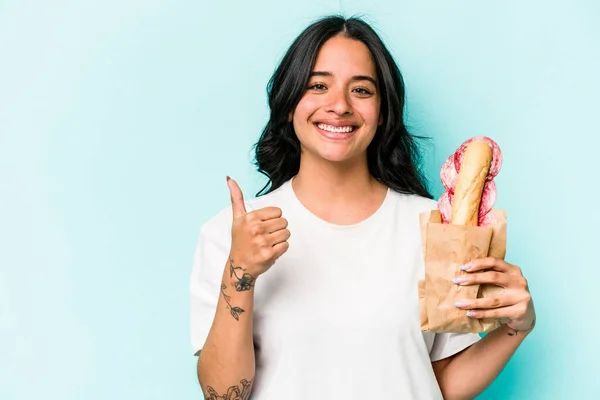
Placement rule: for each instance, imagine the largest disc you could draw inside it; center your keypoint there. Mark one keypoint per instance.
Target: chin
(338, 157)
(333, 152)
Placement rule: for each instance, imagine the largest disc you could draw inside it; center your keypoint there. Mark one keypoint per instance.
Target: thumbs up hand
(258, 238)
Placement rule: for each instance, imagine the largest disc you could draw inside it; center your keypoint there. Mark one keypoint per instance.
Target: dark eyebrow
(354, 78)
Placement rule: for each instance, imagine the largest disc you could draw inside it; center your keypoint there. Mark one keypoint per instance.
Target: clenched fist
(258, 238)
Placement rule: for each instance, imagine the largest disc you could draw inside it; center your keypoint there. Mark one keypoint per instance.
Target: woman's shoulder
(413, 202)
(279, 197)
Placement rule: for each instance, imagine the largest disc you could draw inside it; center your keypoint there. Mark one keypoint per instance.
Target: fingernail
(228, 178)
(460, 279)
(459, 304)
(470, 313)
(466, 267)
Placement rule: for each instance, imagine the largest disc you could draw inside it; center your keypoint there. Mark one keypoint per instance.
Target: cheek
(305, 108)
(302, 113)
(376, 113)
(370, 113)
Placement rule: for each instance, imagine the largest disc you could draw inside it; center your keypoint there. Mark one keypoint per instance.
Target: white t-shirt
(337, 316)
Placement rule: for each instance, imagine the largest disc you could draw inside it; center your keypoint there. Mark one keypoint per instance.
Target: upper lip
(336, 123)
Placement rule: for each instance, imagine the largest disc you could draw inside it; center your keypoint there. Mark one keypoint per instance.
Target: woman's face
(338, 115)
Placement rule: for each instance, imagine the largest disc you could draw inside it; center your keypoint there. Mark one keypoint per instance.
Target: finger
(486, 263)
(511, 312)
(279, 237)
(487, 302)
(237, 198)
(268, 213)
(493, 277)
(274, 225)
(280, 248)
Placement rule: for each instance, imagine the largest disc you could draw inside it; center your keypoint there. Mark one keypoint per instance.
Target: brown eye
(317, 87)
(363, 91)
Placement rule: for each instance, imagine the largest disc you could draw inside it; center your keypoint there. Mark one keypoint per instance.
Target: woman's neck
(342, 193)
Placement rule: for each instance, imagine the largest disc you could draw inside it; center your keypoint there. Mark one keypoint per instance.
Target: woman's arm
(226, 362)
(469, 373)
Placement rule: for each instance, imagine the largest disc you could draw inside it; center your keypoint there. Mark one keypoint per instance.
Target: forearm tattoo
(235, 311)
(233, 393)
(246, 282)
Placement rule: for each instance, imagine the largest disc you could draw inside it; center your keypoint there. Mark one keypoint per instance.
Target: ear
(291, 116)
(380, 122)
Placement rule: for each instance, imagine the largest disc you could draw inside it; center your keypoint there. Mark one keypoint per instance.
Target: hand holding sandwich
(470, 196)
(513, 304)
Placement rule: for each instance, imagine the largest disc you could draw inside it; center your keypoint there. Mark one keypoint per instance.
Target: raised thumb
(237, 198)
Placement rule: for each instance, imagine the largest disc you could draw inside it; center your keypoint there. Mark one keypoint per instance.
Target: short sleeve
(448, 344)
(207, 272)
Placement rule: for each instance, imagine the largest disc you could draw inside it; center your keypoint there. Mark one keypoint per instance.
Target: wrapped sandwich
(463, 228)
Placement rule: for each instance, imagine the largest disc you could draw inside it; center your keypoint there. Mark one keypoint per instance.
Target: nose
(338, 102)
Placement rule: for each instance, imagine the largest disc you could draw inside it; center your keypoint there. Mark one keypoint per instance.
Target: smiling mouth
(336, 129)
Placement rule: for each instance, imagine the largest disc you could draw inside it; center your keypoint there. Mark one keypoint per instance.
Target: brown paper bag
(446, 248)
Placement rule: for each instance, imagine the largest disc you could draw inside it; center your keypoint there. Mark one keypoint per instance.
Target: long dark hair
(393, 155)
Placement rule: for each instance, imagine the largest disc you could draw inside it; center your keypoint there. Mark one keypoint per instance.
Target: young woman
(309, 291)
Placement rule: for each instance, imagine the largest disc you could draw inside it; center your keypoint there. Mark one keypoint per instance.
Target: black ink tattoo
(516, 332)
(233, 393)
(235, 311)
(246, 282)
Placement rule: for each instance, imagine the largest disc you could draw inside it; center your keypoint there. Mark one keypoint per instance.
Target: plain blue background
(119, 121)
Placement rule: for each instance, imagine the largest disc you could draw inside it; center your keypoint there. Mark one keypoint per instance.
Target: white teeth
(336, 129)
